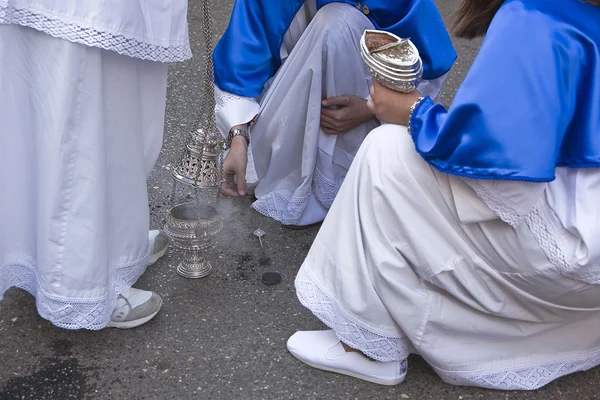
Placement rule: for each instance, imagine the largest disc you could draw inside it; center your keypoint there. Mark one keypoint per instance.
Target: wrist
(236, 135)
(239, 141)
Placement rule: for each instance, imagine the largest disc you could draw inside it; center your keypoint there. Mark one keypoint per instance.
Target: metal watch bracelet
(238, 132)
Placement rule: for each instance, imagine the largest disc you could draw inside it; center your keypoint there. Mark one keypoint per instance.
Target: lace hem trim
(382, 348)
(348, 330)
(92, 314)
(119, 43)
(276, 206)
(325, 189)
(547, 240)
(530, 377)
(507, 214)
(289, 212)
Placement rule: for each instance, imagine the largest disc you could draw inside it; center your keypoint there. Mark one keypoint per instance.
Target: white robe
(82, 113)
(494, 291)
(154, 30)
(294, 166)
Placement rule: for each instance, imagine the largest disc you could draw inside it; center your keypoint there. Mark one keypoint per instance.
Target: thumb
(338, 101)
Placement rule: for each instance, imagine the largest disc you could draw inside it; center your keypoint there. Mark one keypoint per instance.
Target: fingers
(331, 114)
(342, 101)
(241, 181)
(331, 126)
(330, 131)
(229, 189)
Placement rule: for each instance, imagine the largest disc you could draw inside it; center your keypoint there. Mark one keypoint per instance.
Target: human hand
(234, 165)
(348, 113)
(390, 106)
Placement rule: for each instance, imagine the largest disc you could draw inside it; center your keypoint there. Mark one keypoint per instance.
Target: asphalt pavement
(222, 337)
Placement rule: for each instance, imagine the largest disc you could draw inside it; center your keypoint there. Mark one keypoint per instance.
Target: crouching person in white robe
(294, 145)
(471, 238)
(82, 105)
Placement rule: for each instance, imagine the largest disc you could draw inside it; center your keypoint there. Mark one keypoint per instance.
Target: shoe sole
(134, 323)
(385, 382)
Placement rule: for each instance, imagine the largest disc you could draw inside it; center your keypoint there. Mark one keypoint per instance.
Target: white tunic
(153, 30)
(82, 104)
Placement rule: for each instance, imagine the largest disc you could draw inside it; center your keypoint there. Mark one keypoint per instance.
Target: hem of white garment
(289, 212)
(325, 189)
(120, 42)
(71, 313)
(524, 376)
(276, 206)
(530, 376)
(371, 342)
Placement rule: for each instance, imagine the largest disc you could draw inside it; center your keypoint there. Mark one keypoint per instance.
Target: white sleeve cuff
(232, 110)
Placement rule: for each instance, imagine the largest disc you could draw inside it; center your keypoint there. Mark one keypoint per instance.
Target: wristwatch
(238, 132)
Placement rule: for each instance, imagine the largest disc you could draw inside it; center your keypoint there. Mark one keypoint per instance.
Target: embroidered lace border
(386, 348)
(67, 30)
(289, 211)
(525, 377)
(92, 314)
(355, 335)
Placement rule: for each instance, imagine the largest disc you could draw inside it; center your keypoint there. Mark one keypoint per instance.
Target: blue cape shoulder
(529, 103)
(247, 55)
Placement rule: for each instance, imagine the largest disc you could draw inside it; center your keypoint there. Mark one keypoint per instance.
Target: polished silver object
(199, 165)
(193, 224)
(260, 233)
(194, 228)
(394, 62)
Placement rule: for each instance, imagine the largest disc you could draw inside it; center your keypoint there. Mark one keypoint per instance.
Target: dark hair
(473, 17)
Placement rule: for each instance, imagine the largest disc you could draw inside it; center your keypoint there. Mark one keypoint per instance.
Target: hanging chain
(208, 100)
(208, 94)
(209, 89)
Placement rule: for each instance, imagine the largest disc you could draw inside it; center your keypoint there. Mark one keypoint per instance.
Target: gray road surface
(222, 337)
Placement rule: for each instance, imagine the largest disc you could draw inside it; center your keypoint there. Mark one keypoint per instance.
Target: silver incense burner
(194, 228)
(193, 223)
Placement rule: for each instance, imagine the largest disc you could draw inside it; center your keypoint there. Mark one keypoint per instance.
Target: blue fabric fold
(530, 102)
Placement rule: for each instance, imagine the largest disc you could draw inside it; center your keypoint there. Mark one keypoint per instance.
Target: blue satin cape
(530, 102)
(247, 55)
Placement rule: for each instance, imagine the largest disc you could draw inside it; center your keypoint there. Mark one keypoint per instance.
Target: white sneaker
(134, 308)
(159, 243)
(323, 350)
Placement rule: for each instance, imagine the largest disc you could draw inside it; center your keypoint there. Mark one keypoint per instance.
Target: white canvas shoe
(159, 243)
(323, 350)
(134, 308)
